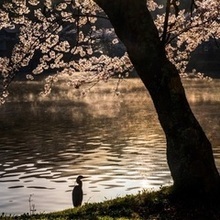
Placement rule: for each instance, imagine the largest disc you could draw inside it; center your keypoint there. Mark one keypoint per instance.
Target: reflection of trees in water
(202, 91)
(204, 99)
(54, 138)
(209, 118)
(60, 135)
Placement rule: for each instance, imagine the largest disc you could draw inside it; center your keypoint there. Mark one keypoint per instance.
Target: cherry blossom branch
(186, 30)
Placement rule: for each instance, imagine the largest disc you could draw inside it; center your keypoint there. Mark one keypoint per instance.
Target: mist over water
(115, 140)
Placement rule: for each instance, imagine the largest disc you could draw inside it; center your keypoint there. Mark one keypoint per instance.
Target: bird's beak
(85, 177)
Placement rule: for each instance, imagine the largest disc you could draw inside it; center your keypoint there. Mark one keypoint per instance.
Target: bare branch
(193, 5)
(166, 21)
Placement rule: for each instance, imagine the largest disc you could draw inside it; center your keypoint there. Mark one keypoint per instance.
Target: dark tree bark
(189, 152)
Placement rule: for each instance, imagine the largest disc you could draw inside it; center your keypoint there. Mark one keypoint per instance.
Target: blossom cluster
(58, 31)
(65, 34)
(188, 29)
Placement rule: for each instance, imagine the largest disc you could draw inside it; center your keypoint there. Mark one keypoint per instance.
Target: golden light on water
(116, 140)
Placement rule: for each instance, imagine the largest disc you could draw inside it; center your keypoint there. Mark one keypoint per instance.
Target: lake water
(115, 140)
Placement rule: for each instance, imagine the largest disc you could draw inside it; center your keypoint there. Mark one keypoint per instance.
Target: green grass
(146, 205)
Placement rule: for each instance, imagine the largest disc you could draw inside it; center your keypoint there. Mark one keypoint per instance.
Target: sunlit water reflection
(45, 143)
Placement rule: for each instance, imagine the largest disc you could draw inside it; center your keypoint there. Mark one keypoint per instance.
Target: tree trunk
(189, 152)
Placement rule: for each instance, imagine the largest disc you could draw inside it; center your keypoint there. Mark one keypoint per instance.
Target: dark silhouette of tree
(158, 49)
(189, 152)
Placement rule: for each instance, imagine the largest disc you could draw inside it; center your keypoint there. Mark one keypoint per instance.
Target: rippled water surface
(46, 142)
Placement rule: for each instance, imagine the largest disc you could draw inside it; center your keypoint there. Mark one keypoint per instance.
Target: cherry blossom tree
(159, 37)
(43, 25)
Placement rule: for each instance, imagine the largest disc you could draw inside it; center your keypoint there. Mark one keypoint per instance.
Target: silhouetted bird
(77, 194)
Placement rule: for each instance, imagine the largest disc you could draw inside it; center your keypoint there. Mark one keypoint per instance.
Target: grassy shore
(162, 204)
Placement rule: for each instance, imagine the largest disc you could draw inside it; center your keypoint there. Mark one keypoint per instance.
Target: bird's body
(77, 194)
